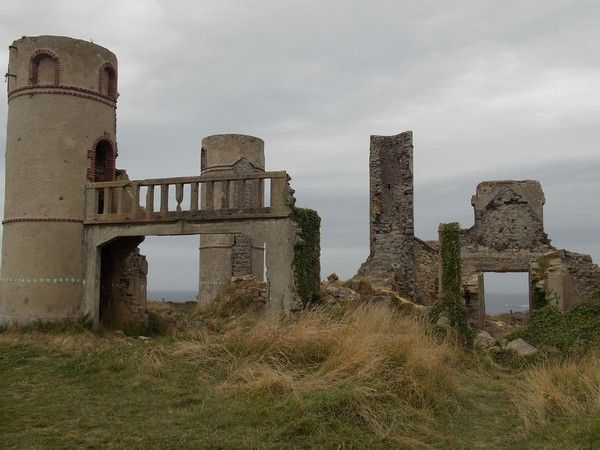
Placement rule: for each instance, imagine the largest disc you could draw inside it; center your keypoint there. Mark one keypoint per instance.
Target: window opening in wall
(108, 82)
(43, 71)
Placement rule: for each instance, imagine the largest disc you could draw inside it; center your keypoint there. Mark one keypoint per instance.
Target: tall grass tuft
(370, 364)
(568, 389)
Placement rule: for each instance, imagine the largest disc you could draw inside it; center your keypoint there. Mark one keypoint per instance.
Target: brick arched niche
(107, 80)
(102, 160)
(44, 68)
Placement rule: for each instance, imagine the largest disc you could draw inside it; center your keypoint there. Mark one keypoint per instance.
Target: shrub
(307, 255)
(576, 330)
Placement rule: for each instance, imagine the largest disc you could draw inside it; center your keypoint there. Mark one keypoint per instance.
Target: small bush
(577, 330)
(307, 255)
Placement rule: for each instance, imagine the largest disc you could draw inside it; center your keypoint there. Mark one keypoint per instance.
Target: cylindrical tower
(62, 95)
(224, 256)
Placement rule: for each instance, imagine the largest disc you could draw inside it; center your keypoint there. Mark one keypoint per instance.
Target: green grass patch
(577, 330)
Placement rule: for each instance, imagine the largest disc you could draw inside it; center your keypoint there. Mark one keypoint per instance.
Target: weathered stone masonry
(392, 260)
(507, 236)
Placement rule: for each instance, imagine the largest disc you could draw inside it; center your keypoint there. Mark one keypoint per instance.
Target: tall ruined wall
(392, 259)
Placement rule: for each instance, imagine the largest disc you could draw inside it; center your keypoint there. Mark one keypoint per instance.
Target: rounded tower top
(52, 62)
(221, 152)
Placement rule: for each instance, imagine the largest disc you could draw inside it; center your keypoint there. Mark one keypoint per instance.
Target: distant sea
(172, 296)
(495, 303)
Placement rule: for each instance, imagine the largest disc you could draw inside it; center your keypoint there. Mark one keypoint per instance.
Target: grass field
(365, 376)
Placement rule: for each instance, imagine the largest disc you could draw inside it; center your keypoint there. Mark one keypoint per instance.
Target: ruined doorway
(506, 292)
(172, 268)
(123, 272)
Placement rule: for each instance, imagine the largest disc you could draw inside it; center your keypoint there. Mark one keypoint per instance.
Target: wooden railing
(205, 197)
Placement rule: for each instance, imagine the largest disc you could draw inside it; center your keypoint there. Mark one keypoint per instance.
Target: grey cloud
(491, 89)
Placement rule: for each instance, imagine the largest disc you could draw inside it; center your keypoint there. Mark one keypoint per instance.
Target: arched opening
(44, 69)
(104, 162)
(108, 82)
(104, 167)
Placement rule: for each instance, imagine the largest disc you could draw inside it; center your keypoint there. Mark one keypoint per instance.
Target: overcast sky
(491, 90)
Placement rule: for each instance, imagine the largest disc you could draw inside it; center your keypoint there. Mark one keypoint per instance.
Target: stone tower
(392, 259)
(225, 255)
(62, 96)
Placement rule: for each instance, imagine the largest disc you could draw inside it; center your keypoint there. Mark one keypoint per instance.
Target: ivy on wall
(451, 303)
(307, 255)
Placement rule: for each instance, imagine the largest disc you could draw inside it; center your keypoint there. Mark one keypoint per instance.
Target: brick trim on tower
(33, 65)
(112, 88)
(91, 171)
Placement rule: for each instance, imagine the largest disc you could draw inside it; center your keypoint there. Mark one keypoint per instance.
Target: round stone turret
(225, 255)
(62, 95)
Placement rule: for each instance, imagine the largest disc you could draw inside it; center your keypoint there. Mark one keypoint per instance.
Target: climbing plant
(307, 255)
(451, 303)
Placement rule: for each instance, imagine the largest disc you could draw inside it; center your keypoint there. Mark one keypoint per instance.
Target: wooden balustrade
(202, 197)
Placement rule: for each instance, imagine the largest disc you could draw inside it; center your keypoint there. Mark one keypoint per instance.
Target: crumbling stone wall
(123, 285)
(392, 259)
(507, 236)
(241, 256)
(509, 216)
(563, 278)
(427, 269)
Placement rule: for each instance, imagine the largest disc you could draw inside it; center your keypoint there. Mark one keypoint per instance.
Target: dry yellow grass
(550, 392)
(386, 368)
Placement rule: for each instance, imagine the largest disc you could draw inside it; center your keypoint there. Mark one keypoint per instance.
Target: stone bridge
(205, 204)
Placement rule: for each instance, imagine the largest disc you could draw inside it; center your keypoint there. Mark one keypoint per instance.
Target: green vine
(451, 302)
(307, 255)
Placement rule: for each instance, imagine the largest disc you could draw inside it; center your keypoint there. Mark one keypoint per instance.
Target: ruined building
(73, 221)
(507, 236)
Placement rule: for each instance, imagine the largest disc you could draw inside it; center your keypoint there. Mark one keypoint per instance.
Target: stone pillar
(224, 256)
(473, 292)
(392, 260)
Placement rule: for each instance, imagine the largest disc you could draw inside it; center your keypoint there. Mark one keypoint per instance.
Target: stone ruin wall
(507, 236)
(508, 216)
(123, 284)
(392, 259)
(427, 268)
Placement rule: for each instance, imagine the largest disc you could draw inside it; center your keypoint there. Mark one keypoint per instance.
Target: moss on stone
(451, 302)
(307, 255)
